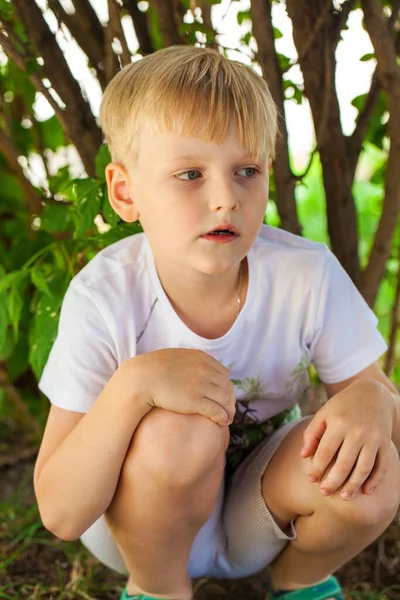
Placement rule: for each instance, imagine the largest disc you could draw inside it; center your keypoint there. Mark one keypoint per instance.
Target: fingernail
(370, 490)
(324, 492)
(346, 495)
(312, 478)
(304, 448)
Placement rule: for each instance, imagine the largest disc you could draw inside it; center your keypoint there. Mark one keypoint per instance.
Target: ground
(35, 565)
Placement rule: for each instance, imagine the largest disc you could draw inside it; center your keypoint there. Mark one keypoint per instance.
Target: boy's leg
(167, 490)
(330, 530)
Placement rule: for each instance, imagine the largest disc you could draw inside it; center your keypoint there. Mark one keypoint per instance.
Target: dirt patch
(46, 568)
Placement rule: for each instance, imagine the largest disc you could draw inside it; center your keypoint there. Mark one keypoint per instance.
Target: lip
(223, 227)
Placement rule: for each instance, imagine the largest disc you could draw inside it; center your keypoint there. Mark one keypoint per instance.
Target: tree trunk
(266, 55)
(312, 33)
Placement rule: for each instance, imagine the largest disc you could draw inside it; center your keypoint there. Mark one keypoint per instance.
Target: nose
(224, 196)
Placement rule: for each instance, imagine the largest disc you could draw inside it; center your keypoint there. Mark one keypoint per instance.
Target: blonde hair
(190, 91)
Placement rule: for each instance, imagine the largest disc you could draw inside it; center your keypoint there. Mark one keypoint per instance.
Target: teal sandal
(125, 596)
(328, 589)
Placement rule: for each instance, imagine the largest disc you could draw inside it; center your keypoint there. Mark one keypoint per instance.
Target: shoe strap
(327, 589)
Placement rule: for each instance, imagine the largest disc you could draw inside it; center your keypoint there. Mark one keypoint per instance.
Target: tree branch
(140, 25)
(20, 61)
(313, 21)
(356, 139)
(11, 154)
(205, 8)
(394, 326)
(340, 19)
(91, 41)
(165, 11)
(315, 30)
(389, 76)
(80, 123)
(266, 56)
(114, 19)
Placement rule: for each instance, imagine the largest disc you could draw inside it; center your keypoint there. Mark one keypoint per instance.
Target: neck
(207, 304)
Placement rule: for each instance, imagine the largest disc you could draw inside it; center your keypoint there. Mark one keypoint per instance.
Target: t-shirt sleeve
(83, 357)
(345, 339)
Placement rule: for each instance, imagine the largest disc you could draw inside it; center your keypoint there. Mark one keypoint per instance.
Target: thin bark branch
(266, 56)
(206, 8)
(389, 75)
(356, 139)
(165, 11)
(394, 325)
(114, 19)
(20, 61)
(319, 23)
(91, 41)
(81, 124)
(313, 21)
(11, 154)
(140, 25)
(340, 19)
(111, 64)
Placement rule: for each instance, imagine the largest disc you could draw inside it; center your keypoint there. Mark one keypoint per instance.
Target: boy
(207, 320)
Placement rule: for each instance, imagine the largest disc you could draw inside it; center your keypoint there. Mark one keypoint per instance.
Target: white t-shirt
(301, 307)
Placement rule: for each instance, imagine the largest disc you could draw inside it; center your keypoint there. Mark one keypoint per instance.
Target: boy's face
(184, 188)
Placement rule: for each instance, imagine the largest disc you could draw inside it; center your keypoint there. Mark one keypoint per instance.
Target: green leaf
(284, 62)
(59, 183)
(88, 204)
(43, 331)
(103, 158)
(246, 38)
(11, 280)
(31, 66)
(243, 15)
(18, 362)
(38, 279)
(15, 305)
(56, 217)
(108, 212)
(277, 33)
(51, 133)
(359, 101)
(367, 57)
(4, 320)
(6, 10)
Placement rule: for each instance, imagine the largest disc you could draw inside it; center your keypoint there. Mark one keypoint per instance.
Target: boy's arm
(375, 374)
(75, 480)
(75, 483)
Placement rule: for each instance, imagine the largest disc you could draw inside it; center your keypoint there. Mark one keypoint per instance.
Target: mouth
(228, 230)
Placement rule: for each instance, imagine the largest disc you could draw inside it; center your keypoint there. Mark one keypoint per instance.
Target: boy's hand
(349, 439)
(189, 382)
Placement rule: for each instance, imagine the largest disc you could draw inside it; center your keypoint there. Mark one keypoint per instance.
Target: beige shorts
(239, 539)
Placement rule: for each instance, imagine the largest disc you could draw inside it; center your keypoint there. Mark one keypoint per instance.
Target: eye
(247, 172)
(188, 175)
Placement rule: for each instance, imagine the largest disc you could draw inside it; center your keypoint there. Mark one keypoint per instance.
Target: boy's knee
(179, 449)
(378, 508)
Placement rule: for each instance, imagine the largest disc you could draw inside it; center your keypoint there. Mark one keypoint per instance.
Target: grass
(35, 565)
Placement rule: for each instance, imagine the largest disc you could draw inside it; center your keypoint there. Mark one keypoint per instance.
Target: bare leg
(330, 531)
(167, 490)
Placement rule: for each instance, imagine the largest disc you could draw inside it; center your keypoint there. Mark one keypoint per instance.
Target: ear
(269, 166)
(119, 193)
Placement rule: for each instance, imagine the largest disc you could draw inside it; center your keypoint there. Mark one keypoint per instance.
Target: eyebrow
(195, 157)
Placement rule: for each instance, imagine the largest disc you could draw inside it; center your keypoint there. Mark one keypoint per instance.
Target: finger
(312, 435)
(342, 466)
(361, 472)
(211, 410)
(221, 396)
(327, 449)
(379, 470)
